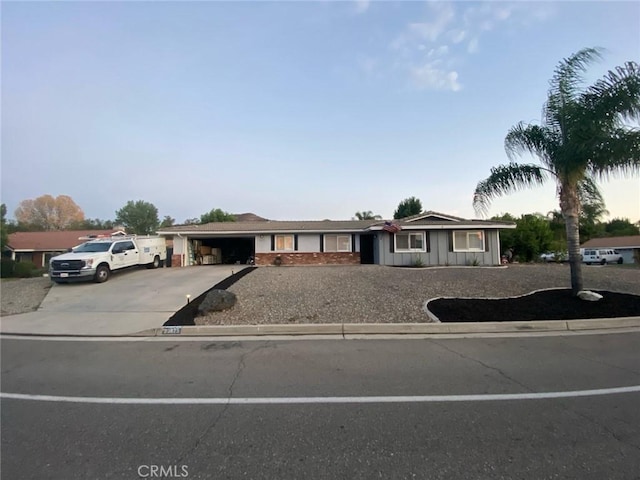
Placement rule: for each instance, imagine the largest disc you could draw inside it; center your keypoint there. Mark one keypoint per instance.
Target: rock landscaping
(22, 295)
(379, 294)
(216, 301)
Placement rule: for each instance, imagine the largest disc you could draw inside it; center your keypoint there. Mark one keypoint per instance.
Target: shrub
(7, 267)
(26, 270)
(473, 262)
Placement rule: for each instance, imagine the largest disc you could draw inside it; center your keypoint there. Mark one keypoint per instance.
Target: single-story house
(39, 247)
(628, 246)
(429, 238)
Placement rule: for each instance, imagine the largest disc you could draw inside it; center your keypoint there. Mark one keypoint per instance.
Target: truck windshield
(93, 247)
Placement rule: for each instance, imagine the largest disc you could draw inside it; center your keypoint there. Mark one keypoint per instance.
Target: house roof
(428, 220)
(433, 216)
(50, 241)
(269, 226)
(629, 241)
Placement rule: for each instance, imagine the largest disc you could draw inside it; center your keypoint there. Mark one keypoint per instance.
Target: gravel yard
(373, 293)
(23, 295)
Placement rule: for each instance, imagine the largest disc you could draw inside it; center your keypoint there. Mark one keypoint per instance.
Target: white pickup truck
(96, 259)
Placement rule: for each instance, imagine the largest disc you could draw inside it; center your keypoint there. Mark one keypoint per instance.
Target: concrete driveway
(131, 301)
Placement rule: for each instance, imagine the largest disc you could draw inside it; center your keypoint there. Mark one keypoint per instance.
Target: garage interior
(225, 250)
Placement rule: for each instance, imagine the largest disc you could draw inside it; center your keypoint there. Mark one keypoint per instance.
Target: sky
(290, 110)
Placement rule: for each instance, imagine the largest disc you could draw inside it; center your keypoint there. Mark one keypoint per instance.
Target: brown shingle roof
(319, 226)
(629, 241)
(274, 226)
(50, 241)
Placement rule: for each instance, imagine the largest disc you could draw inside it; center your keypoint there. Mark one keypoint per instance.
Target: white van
(600, 255)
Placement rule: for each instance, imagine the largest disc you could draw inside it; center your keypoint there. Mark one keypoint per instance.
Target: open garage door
(224, 250)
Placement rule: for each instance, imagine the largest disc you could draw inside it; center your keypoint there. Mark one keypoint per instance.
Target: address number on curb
(177, 330)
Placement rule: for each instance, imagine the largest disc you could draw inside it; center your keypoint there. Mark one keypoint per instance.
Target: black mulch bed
(546, 305)
(187, 314)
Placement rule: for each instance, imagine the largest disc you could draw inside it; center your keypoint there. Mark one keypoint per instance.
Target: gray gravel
(23, 295)
(374, 293)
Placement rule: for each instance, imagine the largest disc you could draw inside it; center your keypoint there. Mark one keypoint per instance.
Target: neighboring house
(628, 246)
(39, 247)
(429, 238)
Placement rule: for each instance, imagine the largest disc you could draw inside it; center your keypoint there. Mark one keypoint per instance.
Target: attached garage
(212, 250)
(267, 242)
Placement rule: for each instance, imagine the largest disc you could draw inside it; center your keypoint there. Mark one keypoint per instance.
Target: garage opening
(229, 250)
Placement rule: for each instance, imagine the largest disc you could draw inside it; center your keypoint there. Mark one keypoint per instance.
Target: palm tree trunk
(570, 207)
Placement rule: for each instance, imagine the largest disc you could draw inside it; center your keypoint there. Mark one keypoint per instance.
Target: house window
(337, 243)
(468, 241)
(409, 242)
(284, 242)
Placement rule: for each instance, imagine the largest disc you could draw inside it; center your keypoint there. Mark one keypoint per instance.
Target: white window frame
(410, 234)
(284, 243)
(466, 248)
(348, 237)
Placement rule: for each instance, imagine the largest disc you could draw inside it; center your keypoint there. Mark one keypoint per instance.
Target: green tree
(216, 215)
(92, 224)
(138, 217)
(4, 234)
(167, 221)
(507, 236)
(558, 228)
(584, 136)
(531, 237)
(407, 207)
(367, 215)
(620, 227)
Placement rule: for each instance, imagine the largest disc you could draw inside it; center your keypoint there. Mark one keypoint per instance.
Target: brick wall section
(314, 258)
(38, 259)
(176, 260)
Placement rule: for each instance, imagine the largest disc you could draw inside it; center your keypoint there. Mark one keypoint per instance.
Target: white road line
(322, 400)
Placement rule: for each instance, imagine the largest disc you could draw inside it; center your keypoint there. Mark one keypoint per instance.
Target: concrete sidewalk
(129, 302)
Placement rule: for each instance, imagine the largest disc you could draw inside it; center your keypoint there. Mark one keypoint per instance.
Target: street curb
(394, 328)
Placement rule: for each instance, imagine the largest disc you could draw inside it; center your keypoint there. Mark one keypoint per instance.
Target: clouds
(431, 48)
(362, 6)
(429, 76)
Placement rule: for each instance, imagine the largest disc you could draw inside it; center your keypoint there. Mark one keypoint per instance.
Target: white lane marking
(322, 400)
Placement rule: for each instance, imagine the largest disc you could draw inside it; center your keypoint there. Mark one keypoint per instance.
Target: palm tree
(368, 215)
(584, 136)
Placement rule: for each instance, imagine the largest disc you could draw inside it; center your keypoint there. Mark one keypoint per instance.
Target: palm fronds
(616, 96)
(568, 75)
(506, 179)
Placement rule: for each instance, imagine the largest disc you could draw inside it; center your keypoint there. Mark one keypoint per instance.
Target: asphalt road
(595, 436)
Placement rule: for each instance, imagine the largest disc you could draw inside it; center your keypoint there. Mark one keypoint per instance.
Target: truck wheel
(603, 261)
(155, 263)
(102, 274)
(620, 261)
